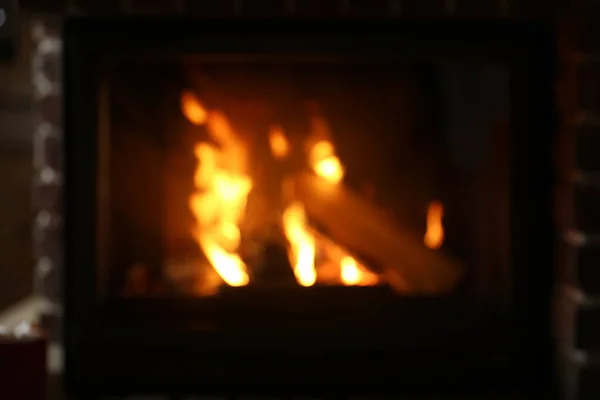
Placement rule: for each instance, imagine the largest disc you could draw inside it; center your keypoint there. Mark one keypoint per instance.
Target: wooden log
(355, 224)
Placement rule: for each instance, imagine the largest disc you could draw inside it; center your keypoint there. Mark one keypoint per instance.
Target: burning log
(358, 226)
(337, 255)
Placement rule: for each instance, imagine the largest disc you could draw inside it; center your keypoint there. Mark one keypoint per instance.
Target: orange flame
(222, 187)
(302, 244)
(434, 236)
(193, 110)
(325, 163)
(280, 147)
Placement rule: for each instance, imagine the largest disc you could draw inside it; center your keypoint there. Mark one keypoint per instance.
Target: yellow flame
(434, 236)
(302, 244)
(221, 191)
(325, 163)
(280, 147)
(229, 266)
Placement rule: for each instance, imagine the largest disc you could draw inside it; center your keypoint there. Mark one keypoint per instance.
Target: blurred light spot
(44, 218)
(47, 175)
(23, 330)
(44, 266)
(2, 16)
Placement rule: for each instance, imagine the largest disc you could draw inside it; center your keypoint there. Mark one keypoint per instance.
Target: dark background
(16, 163)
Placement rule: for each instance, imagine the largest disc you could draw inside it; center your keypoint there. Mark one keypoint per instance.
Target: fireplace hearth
(303, 207)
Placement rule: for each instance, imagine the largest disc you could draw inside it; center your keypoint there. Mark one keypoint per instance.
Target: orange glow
(222, 187)
(193, 110)
(280, 147)
(302, 244)
(222, 184)
(353, 274)
(434, 236)
(320, 151)
(325, 163)
(330, 169)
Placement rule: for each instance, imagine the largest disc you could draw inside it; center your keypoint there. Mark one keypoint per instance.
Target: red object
(23, 368)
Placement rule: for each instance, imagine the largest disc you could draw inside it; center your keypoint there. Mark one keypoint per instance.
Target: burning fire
(434, 236)
(222, 188)
(302, 242)
(326, 165)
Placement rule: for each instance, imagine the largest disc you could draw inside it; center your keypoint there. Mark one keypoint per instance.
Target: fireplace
(307, 206)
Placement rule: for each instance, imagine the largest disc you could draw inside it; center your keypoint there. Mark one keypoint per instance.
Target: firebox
(297, 206)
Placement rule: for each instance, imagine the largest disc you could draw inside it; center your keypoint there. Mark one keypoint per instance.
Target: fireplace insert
(300, 207)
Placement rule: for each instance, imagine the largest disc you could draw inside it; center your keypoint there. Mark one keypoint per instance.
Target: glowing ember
(222, 188)
(434, 236)
(280, 147)
(302, 244)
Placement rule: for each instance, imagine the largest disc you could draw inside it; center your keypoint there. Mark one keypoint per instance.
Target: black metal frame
(402, 346)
